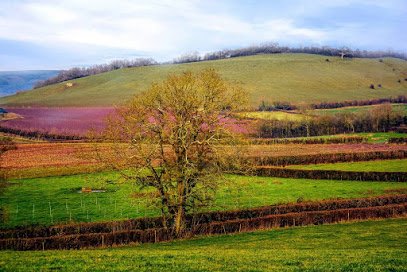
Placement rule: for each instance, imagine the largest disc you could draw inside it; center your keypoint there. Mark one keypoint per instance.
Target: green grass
(358, 246)
(379, 166)
(268, 115)
(238, 192)
(380, 137)
(397, 107)
(280, 77)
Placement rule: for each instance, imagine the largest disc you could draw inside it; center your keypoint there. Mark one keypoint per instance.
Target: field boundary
(150, 230)
(314, 140)
(232, 226)
(199, 218)
(330, 174)
(330, 158)
(397, 140)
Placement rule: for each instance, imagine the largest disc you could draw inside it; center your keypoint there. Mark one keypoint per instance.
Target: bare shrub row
(331, 174)
(39, 134)
(335, 140)
(397, 140)
(200, 218)
(330, 158)
(230, 226)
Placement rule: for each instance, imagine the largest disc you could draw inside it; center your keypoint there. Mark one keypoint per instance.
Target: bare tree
(171, 139)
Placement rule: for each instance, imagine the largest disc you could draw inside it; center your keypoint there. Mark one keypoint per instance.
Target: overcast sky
(55, 34)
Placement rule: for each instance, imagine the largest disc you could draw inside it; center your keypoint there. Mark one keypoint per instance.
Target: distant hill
(12, 81)
(291, 77)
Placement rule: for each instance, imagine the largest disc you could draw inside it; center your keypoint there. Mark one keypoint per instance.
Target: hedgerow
(231, 226)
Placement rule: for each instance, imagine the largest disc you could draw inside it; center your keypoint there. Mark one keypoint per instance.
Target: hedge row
(241, 225)
(200, 218)
(83, 228)
(330, 158)
(334, 140)
(331, 174)
(39, 134)
(400, 140)
(301, 207)
(302, 219)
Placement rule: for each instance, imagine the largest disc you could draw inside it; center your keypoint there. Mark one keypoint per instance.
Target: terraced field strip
(27, 201)
(300, 215)
(51, 159)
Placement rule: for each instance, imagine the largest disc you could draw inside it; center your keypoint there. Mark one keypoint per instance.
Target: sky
(56, 34)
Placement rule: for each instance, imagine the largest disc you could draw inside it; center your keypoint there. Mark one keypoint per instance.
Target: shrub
(371, 86)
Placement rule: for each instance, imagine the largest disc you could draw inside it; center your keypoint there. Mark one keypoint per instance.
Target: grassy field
(380, 166)
(380, 137)
(397, 107)
(54, 159)
(268, 115)
(56, 199)
(279, 77)
(356, 246)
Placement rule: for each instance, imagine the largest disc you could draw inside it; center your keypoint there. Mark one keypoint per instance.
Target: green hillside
(279, 77)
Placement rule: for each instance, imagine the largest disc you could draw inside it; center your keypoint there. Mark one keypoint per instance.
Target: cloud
(166, 28)
(147, 25)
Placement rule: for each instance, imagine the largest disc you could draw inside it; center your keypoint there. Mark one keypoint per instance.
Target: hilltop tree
(171, 140)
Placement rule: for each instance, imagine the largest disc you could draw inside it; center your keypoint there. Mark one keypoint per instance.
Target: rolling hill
(279, 77)
(12, 81)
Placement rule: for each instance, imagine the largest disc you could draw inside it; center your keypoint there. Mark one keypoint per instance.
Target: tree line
(377, 119)
(275, 48)
(281, 105)
(78, 72)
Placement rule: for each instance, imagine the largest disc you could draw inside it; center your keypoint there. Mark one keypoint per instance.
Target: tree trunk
(179, 221)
